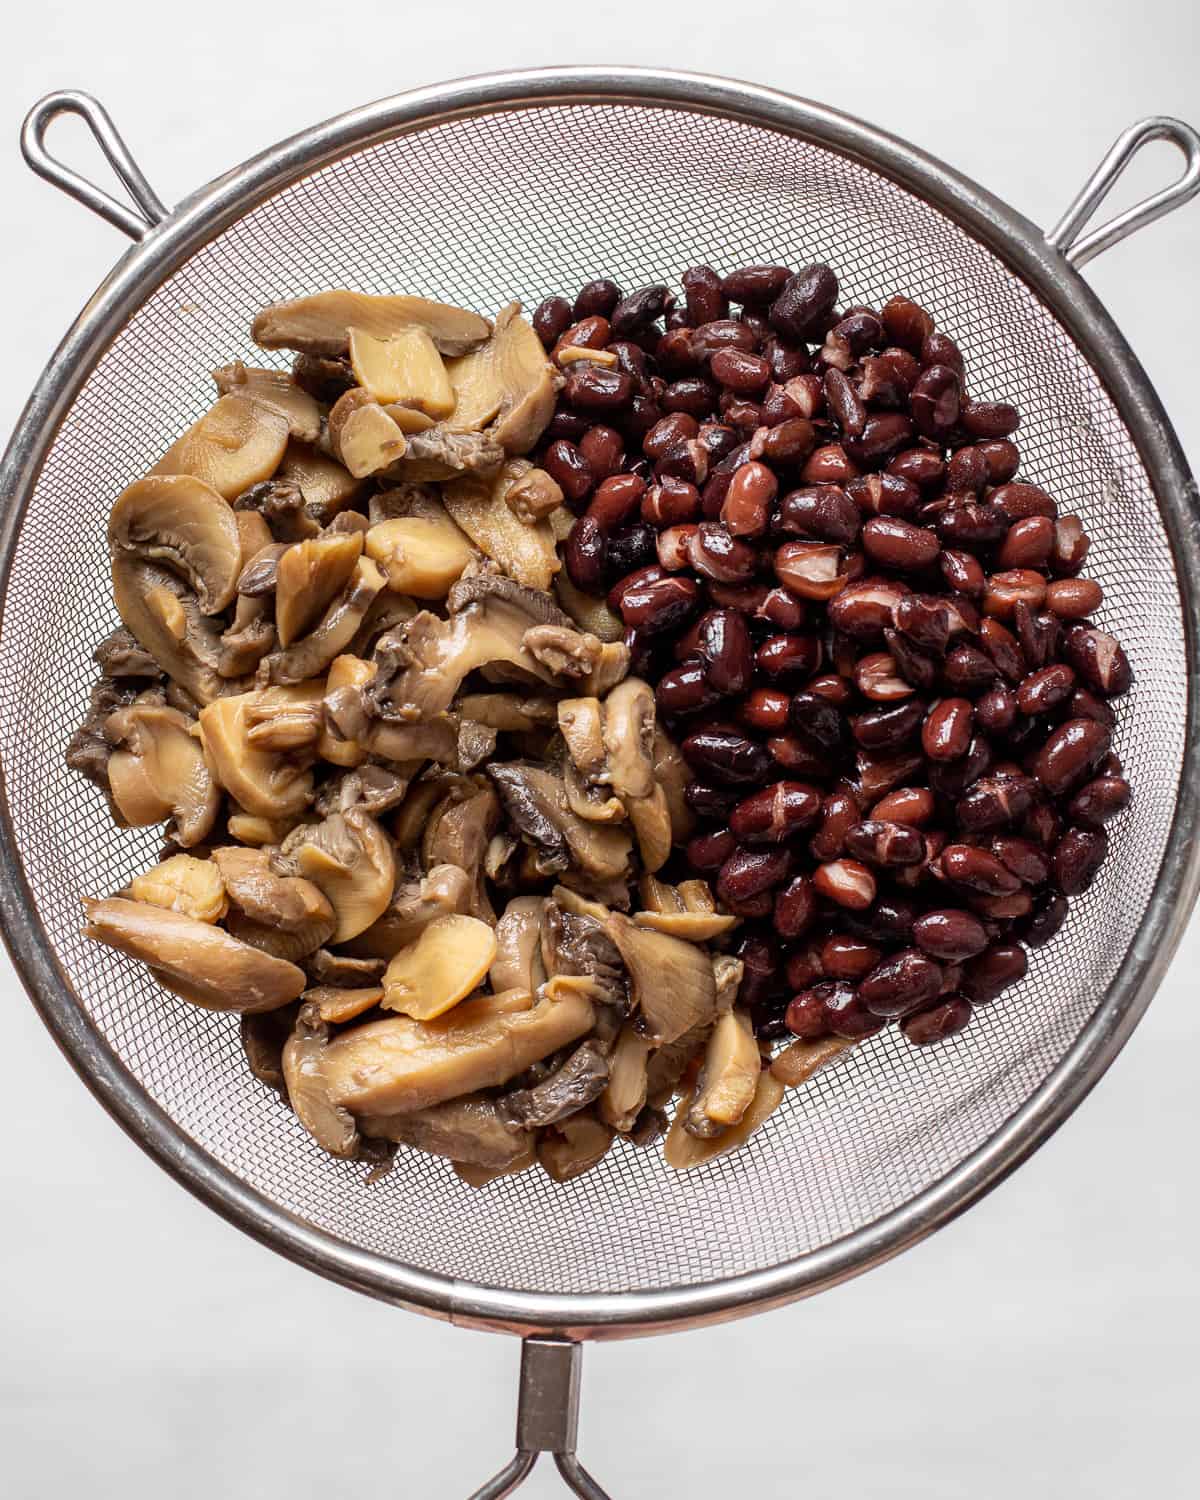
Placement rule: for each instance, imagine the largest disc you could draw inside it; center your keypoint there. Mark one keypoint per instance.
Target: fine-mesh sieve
(524, 185)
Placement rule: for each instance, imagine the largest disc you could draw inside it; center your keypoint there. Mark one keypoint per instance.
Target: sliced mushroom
(672, 773)
(534, 496)
(350, 858)
(158, 771)
(479, 504)
(470, 1131)
(576, 944)
(340, 971)
(304, 1054)
(672, 981)
(480, 1177)
(727, 975)
(629, 738)
(797, 1063)
(625, 1093)
(684, 1151)
(284, 901)
(581, 724)
(535, 800)
(337, 1006)
(590, 802)
(674, 1065)
(572, 1086)
(400, 1065)
(651, 819)
(422, 555)
(414, 904)
(267, 783)
(440, 453)
(249, 828)
(248, 639)
(276, 390)
(588, 612)
(236, 443)
(458, 832)
(333, 633)
(563, 650)
(326, 486)
(346, 672)
(518, 961)
(363, 435)
(184, 884)
(308, 576)
(728, 1079)
(404, 368)
(183, 524)
(194, 958)
(321, 324)
(280, 505)
(119, 655)
(447, 962)
(161, 611)
(612, 666)
(508, 383)
(573, 1147)
(376, 789)
(685, 911)
(263, 1039)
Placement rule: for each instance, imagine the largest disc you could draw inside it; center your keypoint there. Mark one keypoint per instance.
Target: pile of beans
(870, 639)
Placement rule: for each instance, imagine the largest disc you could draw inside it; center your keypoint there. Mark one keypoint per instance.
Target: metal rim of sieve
(1045, 263)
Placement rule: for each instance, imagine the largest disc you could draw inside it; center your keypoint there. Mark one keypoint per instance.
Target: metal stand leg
(547, 1420)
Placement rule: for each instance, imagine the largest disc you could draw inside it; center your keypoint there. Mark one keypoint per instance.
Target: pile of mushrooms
(415, 806)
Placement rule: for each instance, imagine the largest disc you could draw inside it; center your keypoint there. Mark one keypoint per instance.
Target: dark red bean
(952, 778)
(765, 709)
(751, 872)
(846, 882)
(643, 413)
(1003, 459)
(946, 733)
(596, 299)
(917, 669)
(585, 555)
(780, 608)
(726, 757)
(660, 604)
(786, 360)
(1048, 914)
(888, 728)
(1028, 543)
(788, 656)
(990, 419)
(705, 301)
(1099, 801)
(914, 805)
(971, 526)
(722, 333)
(858, 330)
(671, 502)
(1042, 824)
(588, 333)
(748, 500)
(823, 511)
(924, 620)
(1023, 857)
(844, 957)
(1017, 501)
(920, 466)
(775, 812)
(901, 984)
(805, 1016)
(887, 845)
(569, 469)
(926, 1027)
(950, 934)
(985, 978)
(567, 424)
(739, 371)
(1045, 690)
(978, 870)
(844, 403)
(677, 427)
(637, 310)
(718, 440)
(1040, 636)
(792, 754)
(604, 450)
(789, 441)
(893, 543)
(673, 354)
(940, 349)
(883, 433)
(691, 395)
(717, 555)
(888, 922)
(723, 643)
(1070, 753)
(635, 363)
(995, 802)
(1085, 705)
(818, 722)
(1076, 858)
(996, 711)
(551, 319)
(936, 400)
(845, 1014)
(629, 548)
(1100, 660)
(683, 690)
(593, 388)
(884, 495)
(615, 500)
(707, 852)
(906, 323)
(1073, 598)
(967, 472)
(813, 570)
(886, 379)
(795, 908)
(804, 303)
(829, 464)
(755, 284)
(1071, 546)
(711, 801)
(839, 813)
(864, 609)
(1001, 647)
(967, 670)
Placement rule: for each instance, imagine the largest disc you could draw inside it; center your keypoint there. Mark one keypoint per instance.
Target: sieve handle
(547, 1420)
(1078, 248)
(33, 147)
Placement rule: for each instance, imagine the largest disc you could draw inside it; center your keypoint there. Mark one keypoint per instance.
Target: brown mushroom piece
(563, 650)
(625, 1092)
(284, 915)
(581, 724)
(576, 1083)
(535, 800)
(798, 1061)
(119, 655)
(364, 435)
(439, 454)
(280, 503)
(326, 486)
(158, 771)
(236, 443)
(507, 384)
(248, 639)
(400, 1065)
(350, 858)
(321, 324)
(672, 984)
(479, 504)
(333, 633)
(263, 1036)
(182, 883)
(576, 943)
(683, 1151)
(671, 772)
(728, 1078)
(415, 902)
(534, 496)
(588, 612)
(89, 749)
(337, 1005)
(574, 1146)
(183, 524)
(339, 970)
(195, 959)
(331, 1127)
(458, 832)
(651, 820)
(422, 552)
(470, 1131)
(727, 975)
(376, 789)
(266, 783)
(276, 390)
(308, 575)
(629, 738)
(404, 369)
(160, 609)
(518, 961)
(667, 1066)
(448, 961)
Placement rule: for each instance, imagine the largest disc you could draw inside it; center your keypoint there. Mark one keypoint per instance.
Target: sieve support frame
(547, 1420)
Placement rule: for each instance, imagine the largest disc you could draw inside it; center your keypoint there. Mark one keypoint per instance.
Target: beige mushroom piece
(333, 633)
(276, 390)
(327, 486)
(728, 1079)
(479, 504)
(158, 771)
(625, 1094)
(265, 783)
(308, 576)
(350, 858)
(672, 981)
(195, 959)
(508, 384)
(338, 1004)
(308, 1093)
(413, 905)
(400, 1065)
(683, 1151)
(518, 961)
(470, 1131)
(448, 961)
(405, 369)
(363, 435)
(183, 524)
(421, 555)
(797, 1063)
(237, 443)
(321, 324)
(629, 738)
(184, 884)
(574, 1146)
(280, 914)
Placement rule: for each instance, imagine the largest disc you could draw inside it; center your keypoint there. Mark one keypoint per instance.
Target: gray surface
(1049, 1316)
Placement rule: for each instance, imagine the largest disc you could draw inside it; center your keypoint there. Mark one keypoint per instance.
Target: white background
(1043, 1346)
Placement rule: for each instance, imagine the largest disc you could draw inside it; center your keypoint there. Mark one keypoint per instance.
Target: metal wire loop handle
(108, 138)
(547, 1420)
(1065, 236)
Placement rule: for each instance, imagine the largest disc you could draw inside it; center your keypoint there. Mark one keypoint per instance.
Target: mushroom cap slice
(448, 962)
(181, 522)
(478, 503)
(364, 435)
(470, 1131)
(308, 575)
(184, 884)
(276, 390)
(535, 799)
(159, 609)
(266, 783)
(337, 1005)
(420, 555)
(672, 981)
(683, 1151)
(333, 633)
(287, 902)
(581, 724)
(573, 1147)
(414, 904)
(207, 965)
(332, 1128)
(235, 444)
(321, 324)
(405, 369)
(692, 926)
(351, 859)
(518, 961)
(728, 1079)
(326, 486)
(625, 1092)
(651, 820)
(797, 1063)
(508, 383)
(158, 771)
(672, 773)
(400, 1065)
(572, 1086)
(629, 738)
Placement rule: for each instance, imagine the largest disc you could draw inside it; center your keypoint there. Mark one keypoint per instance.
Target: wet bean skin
(871, 635)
